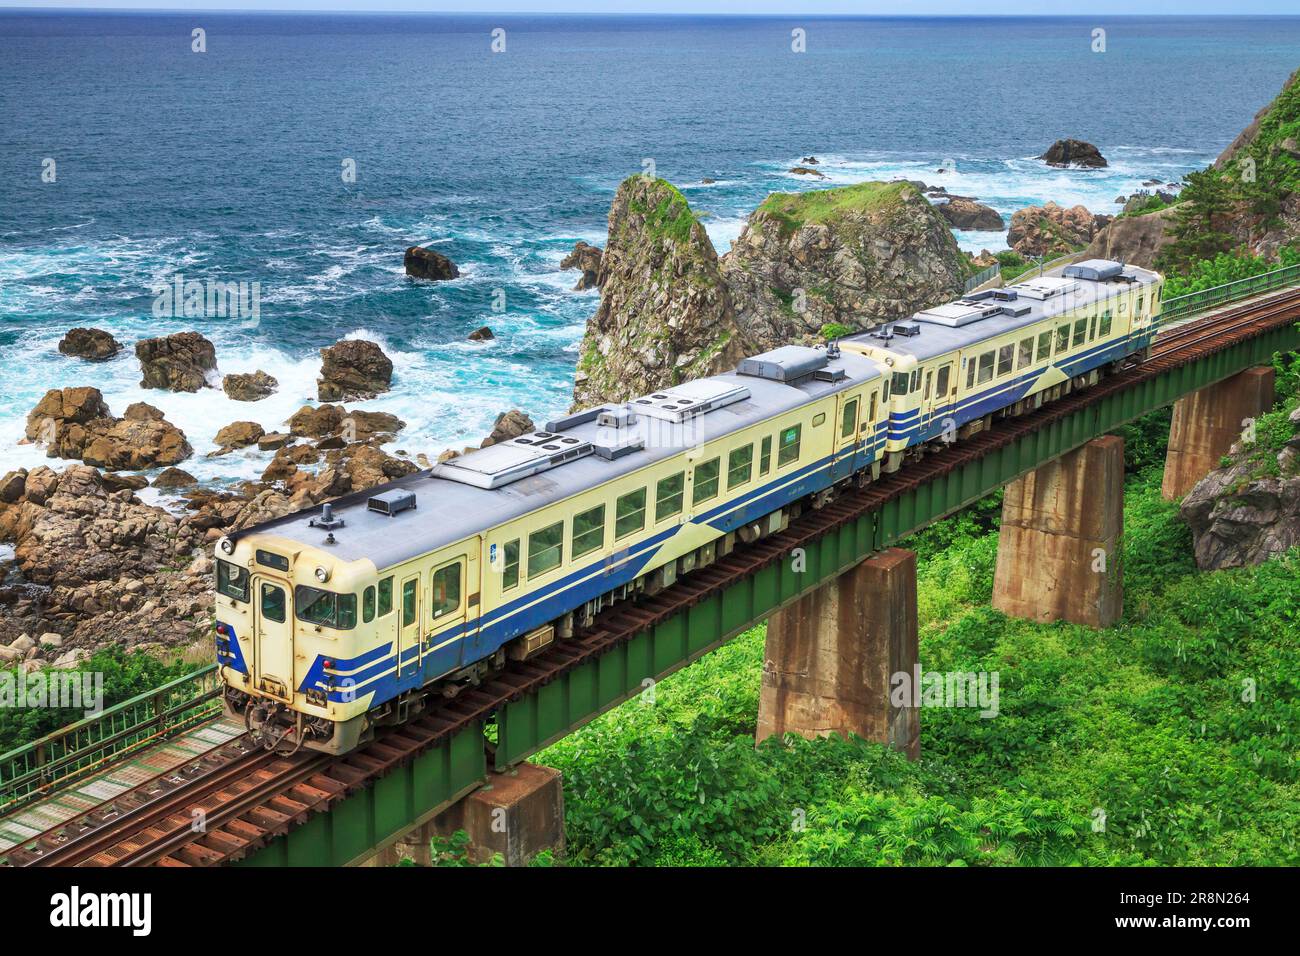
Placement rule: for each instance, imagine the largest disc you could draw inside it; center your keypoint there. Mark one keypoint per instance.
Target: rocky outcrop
(1052, 230)
(169, 479)
(423, 263)
(509, 425)
(93, 345)
(855, 256)
(352, 369)
(665, 314)
(75, 423)
(1247, 135)
(1133, 239)
(482, 334)
(1074, 152)
(238, 435)
(326, 422)
(807, 171)
(249, 386)
(184, 362)
(964, 213)
(586, 259)
(1248, 511)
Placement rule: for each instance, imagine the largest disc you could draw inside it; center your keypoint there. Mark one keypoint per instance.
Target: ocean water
(226, 165)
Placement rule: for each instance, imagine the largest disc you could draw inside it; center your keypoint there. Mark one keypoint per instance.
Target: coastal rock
(481, 334)
(855, 256)
(1074, 152)
(272, 441)
(963, 213)
(171, 478)
(424, 263)
(509, 425)
(1052, 230)
(353, 368)
(249, 386)
(180, 363)
(94, 345)
(330, 421)
(807, 171)
(1134, 239)
(585, 258)
(665, 314)
(238, 435)
(75, 423)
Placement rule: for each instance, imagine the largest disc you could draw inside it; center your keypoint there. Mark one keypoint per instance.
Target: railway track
(235, 804)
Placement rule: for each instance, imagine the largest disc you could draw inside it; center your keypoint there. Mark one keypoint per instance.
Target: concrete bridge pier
(1060, 546)
(1207, 423)
(831, 654)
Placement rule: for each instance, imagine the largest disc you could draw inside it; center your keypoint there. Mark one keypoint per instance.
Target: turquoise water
(226, 165)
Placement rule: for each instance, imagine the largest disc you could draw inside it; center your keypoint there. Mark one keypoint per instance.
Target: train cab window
(273, 603)
(1080, 329)
(849, 420)
(325, 608)
(788, 450)
(232, 581)
(740, 466)
(1025, 353)
(1141, 302)
(1006, 355)
(705, 482)
(1105, 323)
(386, 596)
(409, 594)
(668, 496)
(1062, 338)
(509, 564)
(629, 513)
(588, 531)
(765, 454)
(986, 367)
(1044, 345)
(368, 604)
(446, 589)
(941, 383)
(900, 384)
(545, 549)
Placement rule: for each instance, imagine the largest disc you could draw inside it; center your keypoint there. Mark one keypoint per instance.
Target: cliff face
(671, 309)
(856, 257)
(665, 314)
(1133, 239)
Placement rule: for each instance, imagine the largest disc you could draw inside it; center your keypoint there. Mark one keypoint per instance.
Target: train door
(846, 437)
(408, 626)
(449, 588)
(273, 638)
(934, 399)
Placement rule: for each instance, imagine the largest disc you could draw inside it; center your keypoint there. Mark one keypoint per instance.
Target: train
(337, 620)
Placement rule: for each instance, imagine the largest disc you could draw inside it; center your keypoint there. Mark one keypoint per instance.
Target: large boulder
(422, 263)
(1052, 230)
(854, 256)
(335, 421)
(509, 425)
(94, 345)
(249, 386)
(238, 435)
(665, 314)
(1137, 240)
(586, 259)
(75, 423)
(964, 213)
(353, 368)
(184, 362)
(1074, 152)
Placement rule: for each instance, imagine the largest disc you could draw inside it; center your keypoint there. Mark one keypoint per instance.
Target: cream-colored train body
(337, 620)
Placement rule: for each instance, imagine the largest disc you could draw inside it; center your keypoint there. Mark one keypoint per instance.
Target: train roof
(486, 487)
(975, 318)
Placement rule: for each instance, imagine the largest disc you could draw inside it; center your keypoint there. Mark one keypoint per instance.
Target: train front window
(232, 581)
(325, 608)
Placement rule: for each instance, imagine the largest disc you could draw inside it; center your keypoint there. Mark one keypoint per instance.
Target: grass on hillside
(794, 210)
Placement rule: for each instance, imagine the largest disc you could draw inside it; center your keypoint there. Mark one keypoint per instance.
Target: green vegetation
(1152, 203)
(1227, 267)
(794, 210)
(670, 218)
(836, 330)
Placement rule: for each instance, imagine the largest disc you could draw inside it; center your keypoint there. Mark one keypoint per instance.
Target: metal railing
(77, 749)
(1181, 306)
(981, 277)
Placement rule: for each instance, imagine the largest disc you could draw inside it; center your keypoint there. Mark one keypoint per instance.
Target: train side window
(765, 454)
(386, 596)
(232, 580)
(629, 513)
(545, 549)
(1092, 329)
(900, 384)
(986, 367)
(849, 420)
(1080, 329)
(705, 481)
(929, 380)
(1105, 323)
(509, 564)
(409, 589)
(872, 409)
(1141, 302)
(1062, 338)
(788, 450)
(347, 616)
(588, 531)
(740, 466)
(446, 589)
(941, 383)
(368, 604)
(1006, 355)
(1123, 306)
(668, 496)
(1025, 353)
(916, 380)
(273, 603)
(970, 372)
(1044, 345)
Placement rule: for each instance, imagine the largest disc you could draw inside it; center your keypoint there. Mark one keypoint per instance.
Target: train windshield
(316, 606)
(232, 580)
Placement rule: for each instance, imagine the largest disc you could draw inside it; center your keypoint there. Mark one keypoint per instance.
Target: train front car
(290, 630)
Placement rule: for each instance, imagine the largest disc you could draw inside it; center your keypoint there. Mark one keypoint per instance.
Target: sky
(773, 7)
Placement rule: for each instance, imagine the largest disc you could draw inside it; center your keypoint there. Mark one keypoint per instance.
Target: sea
(301, 153)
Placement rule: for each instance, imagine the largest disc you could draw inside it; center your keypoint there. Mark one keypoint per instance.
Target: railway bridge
(164, 779)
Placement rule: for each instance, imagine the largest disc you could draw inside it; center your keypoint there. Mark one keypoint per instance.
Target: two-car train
(335, 620)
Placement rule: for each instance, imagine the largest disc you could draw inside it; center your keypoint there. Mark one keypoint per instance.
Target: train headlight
(322, 574)
(226, 545)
